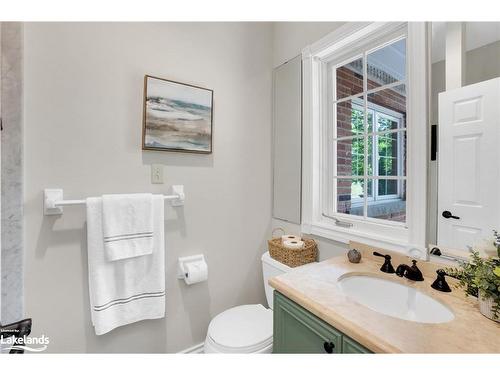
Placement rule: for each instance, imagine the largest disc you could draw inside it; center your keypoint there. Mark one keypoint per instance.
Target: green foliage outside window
(387, 159)
(358, 152)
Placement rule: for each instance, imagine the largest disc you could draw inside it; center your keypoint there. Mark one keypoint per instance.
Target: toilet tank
(271, 268)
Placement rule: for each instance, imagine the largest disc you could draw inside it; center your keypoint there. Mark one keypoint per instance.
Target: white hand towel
(128, 290)
(127, 225)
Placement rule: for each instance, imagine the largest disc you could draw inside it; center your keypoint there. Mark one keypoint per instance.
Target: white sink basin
(394, 299)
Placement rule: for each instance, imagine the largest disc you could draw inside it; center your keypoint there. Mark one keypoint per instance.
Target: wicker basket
(293, 257)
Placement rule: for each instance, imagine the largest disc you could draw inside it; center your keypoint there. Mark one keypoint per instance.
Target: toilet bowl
(246, 328)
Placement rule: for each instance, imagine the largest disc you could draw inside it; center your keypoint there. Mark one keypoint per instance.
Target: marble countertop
(313, 287)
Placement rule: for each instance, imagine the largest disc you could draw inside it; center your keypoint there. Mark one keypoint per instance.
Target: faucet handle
(440, 282)
(387, 266)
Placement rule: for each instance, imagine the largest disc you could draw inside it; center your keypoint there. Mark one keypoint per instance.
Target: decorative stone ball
(354, 256)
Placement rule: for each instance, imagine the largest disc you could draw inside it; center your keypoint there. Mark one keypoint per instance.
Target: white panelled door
(469, 164)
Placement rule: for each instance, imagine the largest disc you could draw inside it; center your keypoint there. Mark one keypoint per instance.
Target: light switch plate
(156, 173)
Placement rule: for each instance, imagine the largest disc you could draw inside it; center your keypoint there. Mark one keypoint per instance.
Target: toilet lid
(242, 327)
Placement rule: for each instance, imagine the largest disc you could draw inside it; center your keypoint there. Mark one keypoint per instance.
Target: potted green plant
(480, 277)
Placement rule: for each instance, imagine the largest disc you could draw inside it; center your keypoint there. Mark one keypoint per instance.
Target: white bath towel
(128, 290)
(127, 225)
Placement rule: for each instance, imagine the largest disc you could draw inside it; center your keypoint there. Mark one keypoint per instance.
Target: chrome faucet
(410, 272)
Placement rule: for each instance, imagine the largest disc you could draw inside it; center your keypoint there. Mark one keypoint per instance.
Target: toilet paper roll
(290, 237)
(195, 272)
(292, 244)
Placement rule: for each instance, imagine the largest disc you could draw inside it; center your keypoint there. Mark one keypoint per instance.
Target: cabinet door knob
(329, 346)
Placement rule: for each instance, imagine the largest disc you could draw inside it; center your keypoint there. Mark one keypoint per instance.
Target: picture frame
(177, 117)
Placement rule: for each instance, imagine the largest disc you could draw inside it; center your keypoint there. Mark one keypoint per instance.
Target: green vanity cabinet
(349, 346)
(296, 330)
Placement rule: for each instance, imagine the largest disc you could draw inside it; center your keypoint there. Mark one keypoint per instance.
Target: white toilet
(246, 328)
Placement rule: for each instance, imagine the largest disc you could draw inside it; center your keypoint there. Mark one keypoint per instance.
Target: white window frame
(375, 232)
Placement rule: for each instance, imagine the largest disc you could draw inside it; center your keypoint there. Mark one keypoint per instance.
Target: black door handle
(448, 215)
(329, 346)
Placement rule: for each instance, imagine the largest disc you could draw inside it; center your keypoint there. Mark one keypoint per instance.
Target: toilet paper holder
(181, 269)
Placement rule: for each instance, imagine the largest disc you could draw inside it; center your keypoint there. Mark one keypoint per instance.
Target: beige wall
(83, 108)
(291, 37)
(289, 40)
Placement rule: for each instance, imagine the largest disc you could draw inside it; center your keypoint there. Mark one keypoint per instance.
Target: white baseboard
(196, 349)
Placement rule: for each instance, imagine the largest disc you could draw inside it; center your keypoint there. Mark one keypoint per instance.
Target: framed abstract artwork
(176, 116)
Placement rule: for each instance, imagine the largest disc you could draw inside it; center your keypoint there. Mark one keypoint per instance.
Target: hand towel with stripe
(127, 225)
(127, 290)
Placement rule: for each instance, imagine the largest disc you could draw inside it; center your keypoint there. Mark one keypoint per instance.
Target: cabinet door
(298, 331)
(349, 346)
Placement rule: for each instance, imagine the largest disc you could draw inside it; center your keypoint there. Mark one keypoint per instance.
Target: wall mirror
(464, 180)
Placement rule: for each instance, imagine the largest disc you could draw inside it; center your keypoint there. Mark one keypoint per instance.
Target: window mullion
(375, 155)
(365, 118)
(375, 160)
(401, 161)
(330, 200)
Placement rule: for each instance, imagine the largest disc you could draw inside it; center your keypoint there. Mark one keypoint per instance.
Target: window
(365, 109)
(369, 134)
